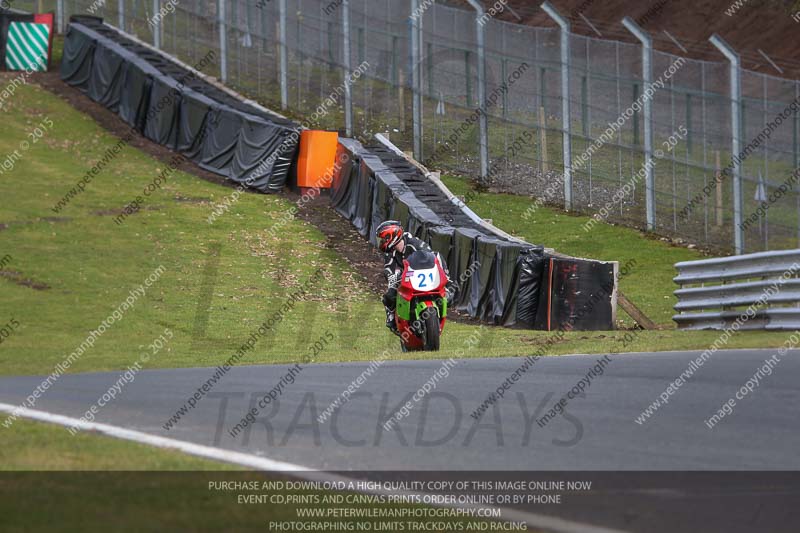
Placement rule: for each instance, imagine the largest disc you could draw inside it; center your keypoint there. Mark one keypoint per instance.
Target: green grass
(90, 264)
(37, 446)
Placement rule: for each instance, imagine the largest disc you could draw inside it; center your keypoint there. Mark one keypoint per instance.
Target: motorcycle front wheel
(431, 329)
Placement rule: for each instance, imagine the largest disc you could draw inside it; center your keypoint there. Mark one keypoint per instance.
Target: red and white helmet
(389, 234)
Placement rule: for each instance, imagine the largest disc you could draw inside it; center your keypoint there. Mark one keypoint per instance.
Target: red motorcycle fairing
(410, 297)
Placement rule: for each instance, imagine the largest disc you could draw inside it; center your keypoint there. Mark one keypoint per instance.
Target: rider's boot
(391, 321)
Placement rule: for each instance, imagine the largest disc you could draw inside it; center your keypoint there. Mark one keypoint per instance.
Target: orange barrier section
(316, 162)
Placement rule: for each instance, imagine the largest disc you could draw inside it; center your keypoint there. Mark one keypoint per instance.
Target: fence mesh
(691, 112)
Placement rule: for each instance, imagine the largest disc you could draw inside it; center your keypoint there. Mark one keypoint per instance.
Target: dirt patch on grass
(108, 212)
(189, 200)
(117, 212)
(344, 240)
(17, 277)
(55, 220)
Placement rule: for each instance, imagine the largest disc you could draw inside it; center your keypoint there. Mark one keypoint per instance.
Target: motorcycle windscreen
(421, 260)
(423, 272)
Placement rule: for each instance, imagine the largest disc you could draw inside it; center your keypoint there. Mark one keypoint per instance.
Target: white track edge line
(271, 465)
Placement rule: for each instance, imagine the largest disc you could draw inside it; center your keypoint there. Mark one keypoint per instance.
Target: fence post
(543, 141)
(223, 42)
(796, 128)
(736, 133)
(647, 79)
(348, 69)
(60, 15)
(429, 72)
(720, 181)
(565, 103)
(416, 86)
(121, 14)
(284, 76)
(155, 23)
(483, 119)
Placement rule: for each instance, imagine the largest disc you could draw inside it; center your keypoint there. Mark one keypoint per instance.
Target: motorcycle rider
(397, 245)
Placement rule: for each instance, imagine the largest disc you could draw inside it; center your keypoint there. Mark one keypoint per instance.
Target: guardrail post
(416, 63)
(647, 78)
(736, 135)
(483, 119)
(284, 56)
(223, 41)
(348, 69)
(566, 121)
(155, 22)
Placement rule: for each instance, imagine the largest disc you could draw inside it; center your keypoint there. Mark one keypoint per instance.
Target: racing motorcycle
(421, 302)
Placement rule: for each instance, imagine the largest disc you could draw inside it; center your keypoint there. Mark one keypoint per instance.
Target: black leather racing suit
(393, 269)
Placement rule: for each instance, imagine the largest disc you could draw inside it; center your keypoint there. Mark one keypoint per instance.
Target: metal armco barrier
(729, 286)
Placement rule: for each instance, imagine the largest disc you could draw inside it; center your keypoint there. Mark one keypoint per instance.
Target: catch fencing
(669, 165)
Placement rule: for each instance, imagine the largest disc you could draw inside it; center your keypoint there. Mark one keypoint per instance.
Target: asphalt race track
(597, 433)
